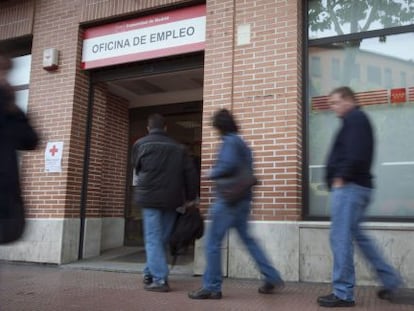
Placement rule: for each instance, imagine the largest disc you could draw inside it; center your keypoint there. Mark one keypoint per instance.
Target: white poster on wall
(53, 157)
(134, 178)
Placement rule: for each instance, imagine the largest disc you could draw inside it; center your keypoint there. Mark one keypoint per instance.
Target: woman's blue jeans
(224, 217)
(348, 206)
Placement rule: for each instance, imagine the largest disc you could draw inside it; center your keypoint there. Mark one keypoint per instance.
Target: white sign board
(53, 157)
(170, 33)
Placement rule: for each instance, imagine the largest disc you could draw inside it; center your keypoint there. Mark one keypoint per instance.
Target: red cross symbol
(53, 150)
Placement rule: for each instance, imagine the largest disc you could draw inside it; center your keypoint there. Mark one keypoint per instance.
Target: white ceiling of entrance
(161, 89)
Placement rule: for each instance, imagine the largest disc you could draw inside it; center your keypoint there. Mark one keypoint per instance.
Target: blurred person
(348, 176)
(16, 133)
(166, 179)
(232, 155)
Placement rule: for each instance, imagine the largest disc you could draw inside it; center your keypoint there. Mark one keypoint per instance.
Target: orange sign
(398, 96)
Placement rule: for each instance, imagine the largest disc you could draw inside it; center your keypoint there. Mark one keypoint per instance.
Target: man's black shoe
(331, 301)
(157, 287)
(204, 294)
(269, 288)
(147, 279)
(386, 294)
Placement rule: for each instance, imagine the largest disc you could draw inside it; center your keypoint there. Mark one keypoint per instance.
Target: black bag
(188, 227)
(234, 188)
(12, 220)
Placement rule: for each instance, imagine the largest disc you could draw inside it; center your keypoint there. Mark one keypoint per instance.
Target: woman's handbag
(235, 187)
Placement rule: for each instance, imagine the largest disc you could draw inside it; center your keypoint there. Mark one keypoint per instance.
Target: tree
(358, 14)
(344, 16)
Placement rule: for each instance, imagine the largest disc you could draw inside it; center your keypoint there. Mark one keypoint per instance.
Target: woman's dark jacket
(15, 134)
(166, 176)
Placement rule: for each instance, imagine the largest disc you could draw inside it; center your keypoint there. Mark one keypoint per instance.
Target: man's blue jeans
(348, 207)
(224, 217)
(158, 225)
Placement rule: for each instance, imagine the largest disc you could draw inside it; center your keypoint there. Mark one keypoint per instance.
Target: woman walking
(233, 155)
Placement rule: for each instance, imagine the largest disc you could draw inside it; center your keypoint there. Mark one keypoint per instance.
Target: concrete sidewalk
(39, 287)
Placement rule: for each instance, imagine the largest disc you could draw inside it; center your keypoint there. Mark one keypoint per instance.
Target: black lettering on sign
(111, 45)
(141, 40)
(172, 34)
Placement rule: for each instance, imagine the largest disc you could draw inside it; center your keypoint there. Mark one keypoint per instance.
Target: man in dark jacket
(349, 178)
(15, 134)
(166, 179)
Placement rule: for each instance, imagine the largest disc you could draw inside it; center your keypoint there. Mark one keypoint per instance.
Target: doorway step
(130, 260)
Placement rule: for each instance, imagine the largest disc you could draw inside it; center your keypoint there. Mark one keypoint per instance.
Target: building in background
(92, 71)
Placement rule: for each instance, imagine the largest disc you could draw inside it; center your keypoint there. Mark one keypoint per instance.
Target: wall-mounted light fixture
(50, 59)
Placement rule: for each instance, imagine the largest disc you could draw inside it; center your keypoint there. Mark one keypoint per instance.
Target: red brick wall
(114, 175)
(16, 20)
(108, 155)
(97, 151)
(57, 104)
(78, 136)
(260, 82)
(218, 82)
(100, 9)
(264, 93)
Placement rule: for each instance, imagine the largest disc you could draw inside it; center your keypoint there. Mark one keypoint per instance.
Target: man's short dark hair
(156, 121)
(344, 92)
(224, 122)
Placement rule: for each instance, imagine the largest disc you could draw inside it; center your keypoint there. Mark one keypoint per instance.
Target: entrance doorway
(170, 86)
(184, 125)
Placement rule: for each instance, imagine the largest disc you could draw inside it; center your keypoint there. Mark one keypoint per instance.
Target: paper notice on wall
(134, 178)
(53, 157)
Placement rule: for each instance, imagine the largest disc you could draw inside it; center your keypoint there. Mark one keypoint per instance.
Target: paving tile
(43, 287)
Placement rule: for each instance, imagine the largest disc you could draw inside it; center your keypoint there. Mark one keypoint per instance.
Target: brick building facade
(80, 211)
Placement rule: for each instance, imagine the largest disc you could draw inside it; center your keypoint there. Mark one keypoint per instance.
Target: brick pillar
(107, 173)
(58, 108)
(268, 103)
(218, 80)
(261, 83)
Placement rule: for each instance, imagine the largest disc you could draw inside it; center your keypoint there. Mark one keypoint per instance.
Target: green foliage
(359, 14)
